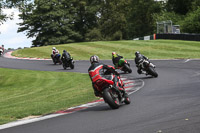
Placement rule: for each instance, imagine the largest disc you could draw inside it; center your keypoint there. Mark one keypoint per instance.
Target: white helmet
(54, 48)
(94, 58)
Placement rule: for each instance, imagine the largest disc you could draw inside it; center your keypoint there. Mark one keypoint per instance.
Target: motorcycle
(56, 59)
(111, 95)
(124, 65)
(1, 52)
(148, 67)
(68, 62)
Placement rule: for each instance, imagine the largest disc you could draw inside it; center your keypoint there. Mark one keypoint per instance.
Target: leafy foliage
(10, 4)
(53, 22)
(141, 20)
(94, 35)
(164, 15)
(179, 6)
(191, 24)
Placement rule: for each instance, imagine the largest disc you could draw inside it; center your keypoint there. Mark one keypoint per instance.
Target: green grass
(25, 93)
(154, 49)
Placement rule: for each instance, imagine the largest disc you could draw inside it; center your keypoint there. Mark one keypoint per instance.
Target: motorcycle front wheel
(127, 67)
(72, 65)
(127, 99)
(64, 66)
(152, 72)
(110, 98)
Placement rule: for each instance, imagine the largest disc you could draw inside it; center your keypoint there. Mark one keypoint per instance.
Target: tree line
(53, 22)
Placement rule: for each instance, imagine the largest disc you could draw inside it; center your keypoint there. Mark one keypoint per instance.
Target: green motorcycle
(124, 65)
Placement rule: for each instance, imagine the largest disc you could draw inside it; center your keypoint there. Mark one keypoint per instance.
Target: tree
(86, 16)
(112, 17)
(140, 20)
(10, 4)
(164, 15)
(51, 22)
(191, 23)
(181, 7)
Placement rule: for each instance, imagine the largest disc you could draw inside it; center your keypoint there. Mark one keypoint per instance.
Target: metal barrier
(185, 36)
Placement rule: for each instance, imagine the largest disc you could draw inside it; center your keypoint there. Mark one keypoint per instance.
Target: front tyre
(108, 96)
(64, 66)
(127, 99)
(152, 72)
(127, 68)
(72, 65)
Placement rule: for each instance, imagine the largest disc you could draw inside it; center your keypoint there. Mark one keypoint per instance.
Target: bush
(117, 35)
(93, 35)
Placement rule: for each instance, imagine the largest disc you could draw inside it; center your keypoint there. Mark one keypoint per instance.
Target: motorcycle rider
(116, 58)
(98, 71)
(139, 57)
(2, 48)
(55, 54)
(65, 55)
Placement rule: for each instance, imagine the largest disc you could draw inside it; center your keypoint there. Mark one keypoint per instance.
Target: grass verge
(154, 49)
(24, 93)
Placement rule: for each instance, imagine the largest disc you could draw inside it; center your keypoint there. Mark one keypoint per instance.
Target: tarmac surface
(167, 104)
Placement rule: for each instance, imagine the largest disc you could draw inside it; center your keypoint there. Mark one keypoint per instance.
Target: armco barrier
(189, 37)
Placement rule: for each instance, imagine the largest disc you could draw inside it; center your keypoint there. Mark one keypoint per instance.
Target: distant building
(167, 27)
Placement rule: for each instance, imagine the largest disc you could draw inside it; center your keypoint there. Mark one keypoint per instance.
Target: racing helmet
(113, 53)
(94, 58)
(137, 53)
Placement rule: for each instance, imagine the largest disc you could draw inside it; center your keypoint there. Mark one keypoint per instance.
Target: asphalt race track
(167, 104)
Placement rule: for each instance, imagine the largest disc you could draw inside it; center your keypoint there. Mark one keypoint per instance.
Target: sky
(8, 32)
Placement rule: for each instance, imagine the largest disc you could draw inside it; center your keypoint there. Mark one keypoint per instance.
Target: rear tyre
(109, 98)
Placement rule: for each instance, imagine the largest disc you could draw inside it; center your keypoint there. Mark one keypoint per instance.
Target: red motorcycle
(111, 95)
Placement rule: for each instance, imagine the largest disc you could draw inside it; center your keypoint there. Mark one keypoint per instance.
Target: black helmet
(94, 58)
(137, 53)
(64, 51)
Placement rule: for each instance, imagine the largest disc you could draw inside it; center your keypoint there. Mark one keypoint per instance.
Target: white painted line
(84, 106)
(187, 60)
(22, 122)
(138, 88)
(196, 74)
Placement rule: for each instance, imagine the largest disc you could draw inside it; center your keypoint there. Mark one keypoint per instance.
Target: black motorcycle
(68, 62)
(1, 52)
(56, 59)
(148, 67)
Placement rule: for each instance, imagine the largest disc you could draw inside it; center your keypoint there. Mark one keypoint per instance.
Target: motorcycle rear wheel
(109, 98)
